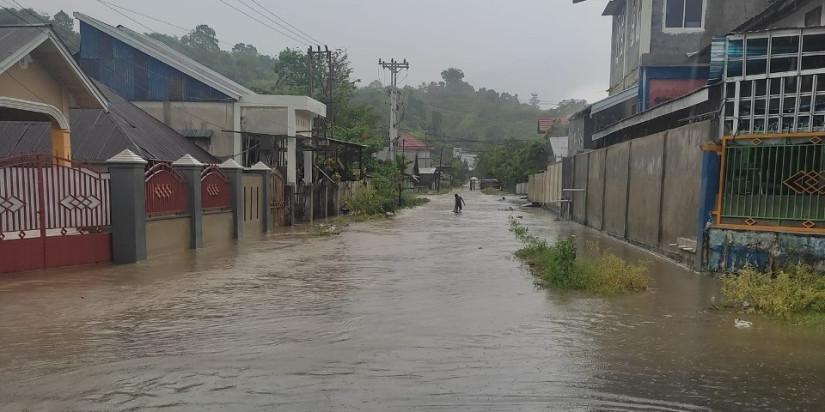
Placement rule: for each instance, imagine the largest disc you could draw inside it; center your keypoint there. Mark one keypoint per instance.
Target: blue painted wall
(730, 250)
(134, 75)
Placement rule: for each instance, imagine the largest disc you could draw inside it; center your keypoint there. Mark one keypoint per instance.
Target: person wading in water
(459, 202)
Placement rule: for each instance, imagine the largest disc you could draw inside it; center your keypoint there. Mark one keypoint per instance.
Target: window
(684, 13)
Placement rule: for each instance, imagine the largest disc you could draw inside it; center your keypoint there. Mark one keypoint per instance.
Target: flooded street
(424, 311)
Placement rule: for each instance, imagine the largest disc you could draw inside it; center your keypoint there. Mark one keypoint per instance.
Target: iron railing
(216, 190)
(165, 191)
(773, 181)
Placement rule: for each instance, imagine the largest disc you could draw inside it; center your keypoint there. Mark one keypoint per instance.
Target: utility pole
(394, 67)
(318, 56)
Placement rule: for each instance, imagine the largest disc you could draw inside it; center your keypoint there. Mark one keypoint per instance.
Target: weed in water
(559, 266)
(794, 290)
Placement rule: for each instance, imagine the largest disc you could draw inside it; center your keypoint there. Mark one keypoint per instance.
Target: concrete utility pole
(394, 67)
(317, 57)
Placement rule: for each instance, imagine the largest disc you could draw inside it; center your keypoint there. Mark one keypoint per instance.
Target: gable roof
(98, 135)
(170, 57)
(16, 42)
(410, 142)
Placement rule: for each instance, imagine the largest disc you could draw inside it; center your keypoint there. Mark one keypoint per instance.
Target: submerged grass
(558, 265)
(797, 290)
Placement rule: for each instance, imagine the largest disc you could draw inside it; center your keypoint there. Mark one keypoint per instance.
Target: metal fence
(770, 181)
(165, 191)
(216, 190)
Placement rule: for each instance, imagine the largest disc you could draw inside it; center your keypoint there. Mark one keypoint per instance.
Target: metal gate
(278, 203)
(53, 213)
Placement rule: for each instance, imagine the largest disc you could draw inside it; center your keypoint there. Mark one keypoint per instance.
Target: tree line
(448, 113)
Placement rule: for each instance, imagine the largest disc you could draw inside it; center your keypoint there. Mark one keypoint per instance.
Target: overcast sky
(551, 47)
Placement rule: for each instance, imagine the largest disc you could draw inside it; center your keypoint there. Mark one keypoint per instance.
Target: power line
(306, 36)
(265, 24)
(110, 5)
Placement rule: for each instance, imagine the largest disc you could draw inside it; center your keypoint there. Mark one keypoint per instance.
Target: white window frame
(701, 27)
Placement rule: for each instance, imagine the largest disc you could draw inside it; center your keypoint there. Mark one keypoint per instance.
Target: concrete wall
(730, 250)
(615, 190)
(253, 207)
(214, 116)
(680, 191)
(217, 227)
(669, 46)
(271, 120)
(645, 189)
(167, 235)
(797, 18)
(580, 177)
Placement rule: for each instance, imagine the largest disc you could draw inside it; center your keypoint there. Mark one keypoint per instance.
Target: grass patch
(797, 290)
(558, 265)
(369, 203)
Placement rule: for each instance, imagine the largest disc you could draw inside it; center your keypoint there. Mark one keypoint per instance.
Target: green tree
(202, 40)
(64, 27)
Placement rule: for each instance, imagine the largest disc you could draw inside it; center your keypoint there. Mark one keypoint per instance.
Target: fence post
(128, 207)
(191, 168)
(266, 178)
(235, 173)
(708, 191)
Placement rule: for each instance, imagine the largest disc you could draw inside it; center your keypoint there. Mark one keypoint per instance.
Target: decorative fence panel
(216, 189)
(45, 203)
(771, 181)
(278, 202)
(165, 191)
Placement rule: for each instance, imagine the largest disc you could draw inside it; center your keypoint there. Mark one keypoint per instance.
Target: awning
(616, 99)
(700, 96)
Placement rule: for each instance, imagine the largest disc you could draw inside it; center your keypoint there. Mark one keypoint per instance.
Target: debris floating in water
(741, 323)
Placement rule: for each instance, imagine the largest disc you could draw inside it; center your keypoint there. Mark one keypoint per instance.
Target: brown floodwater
(427, 310)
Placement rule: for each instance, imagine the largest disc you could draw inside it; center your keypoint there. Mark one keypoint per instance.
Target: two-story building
(658, 53)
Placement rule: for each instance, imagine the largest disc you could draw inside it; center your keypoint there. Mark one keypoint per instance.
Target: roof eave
(48, 34)
(23, 51)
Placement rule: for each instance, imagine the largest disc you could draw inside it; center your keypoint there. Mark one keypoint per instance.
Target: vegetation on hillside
(558, 265)
(445, 114)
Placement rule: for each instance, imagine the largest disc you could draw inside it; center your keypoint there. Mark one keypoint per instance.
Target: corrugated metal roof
(18, 138)
(97, 135)
(169, 56)
(13, 38)
(410, 142)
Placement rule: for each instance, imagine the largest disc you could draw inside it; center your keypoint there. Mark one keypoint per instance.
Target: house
(227, 119)
(413, 150)
(41, 82)
(98, 135)
(656, 53)
(745, 150)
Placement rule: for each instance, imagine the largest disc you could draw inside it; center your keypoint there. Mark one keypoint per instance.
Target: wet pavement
(424, 311)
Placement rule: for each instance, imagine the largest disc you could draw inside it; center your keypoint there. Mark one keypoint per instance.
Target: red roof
(410, 142)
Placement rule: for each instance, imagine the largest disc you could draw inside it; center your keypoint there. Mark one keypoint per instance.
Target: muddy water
(425, 311)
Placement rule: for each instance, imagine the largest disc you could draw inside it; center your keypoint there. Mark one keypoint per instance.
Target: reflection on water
(426, 311)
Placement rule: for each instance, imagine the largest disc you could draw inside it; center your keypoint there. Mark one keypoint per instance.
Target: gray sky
(550, 47)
